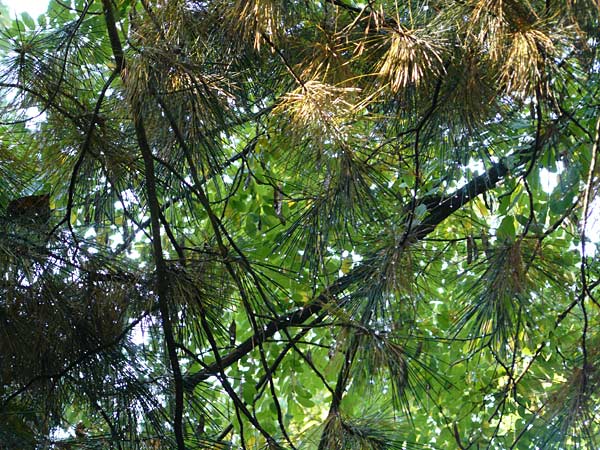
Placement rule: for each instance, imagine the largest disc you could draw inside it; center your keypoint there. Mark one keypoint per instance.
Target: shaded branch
(162, 280)
(445, 208)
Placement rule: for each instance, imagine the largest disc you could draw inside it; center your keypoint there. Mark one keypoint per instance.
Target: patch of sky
(33, 7)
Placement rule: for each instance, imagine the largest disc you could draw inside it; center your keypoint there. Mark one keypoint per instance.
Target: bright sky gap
(33, 7)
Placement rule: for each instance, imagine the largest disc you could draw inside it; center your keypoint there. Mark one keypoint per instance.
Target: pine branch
(162, 281)
(444, 209)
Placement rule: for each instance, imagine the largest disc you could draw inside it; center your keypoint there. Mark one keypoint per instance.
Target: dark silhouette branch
(85, 148)
(445, 207)
(162, 280)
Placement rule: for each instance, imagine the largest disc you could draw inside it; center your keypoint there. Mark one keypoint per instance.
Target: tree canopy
(298, 224)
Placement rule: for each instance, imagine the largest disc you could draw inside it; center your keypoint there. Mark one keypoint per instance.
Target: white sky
(33, 7)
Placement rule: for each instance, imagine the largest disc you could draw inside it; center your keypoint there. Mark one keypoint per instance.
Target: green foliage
(323, 225)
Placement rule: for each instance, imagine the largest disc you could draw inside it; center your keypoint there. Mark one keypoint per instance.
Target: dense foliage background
(300, 224)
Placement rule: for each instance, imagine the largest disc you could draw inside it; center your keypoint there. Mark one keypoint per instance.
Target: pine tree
(300, 224)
